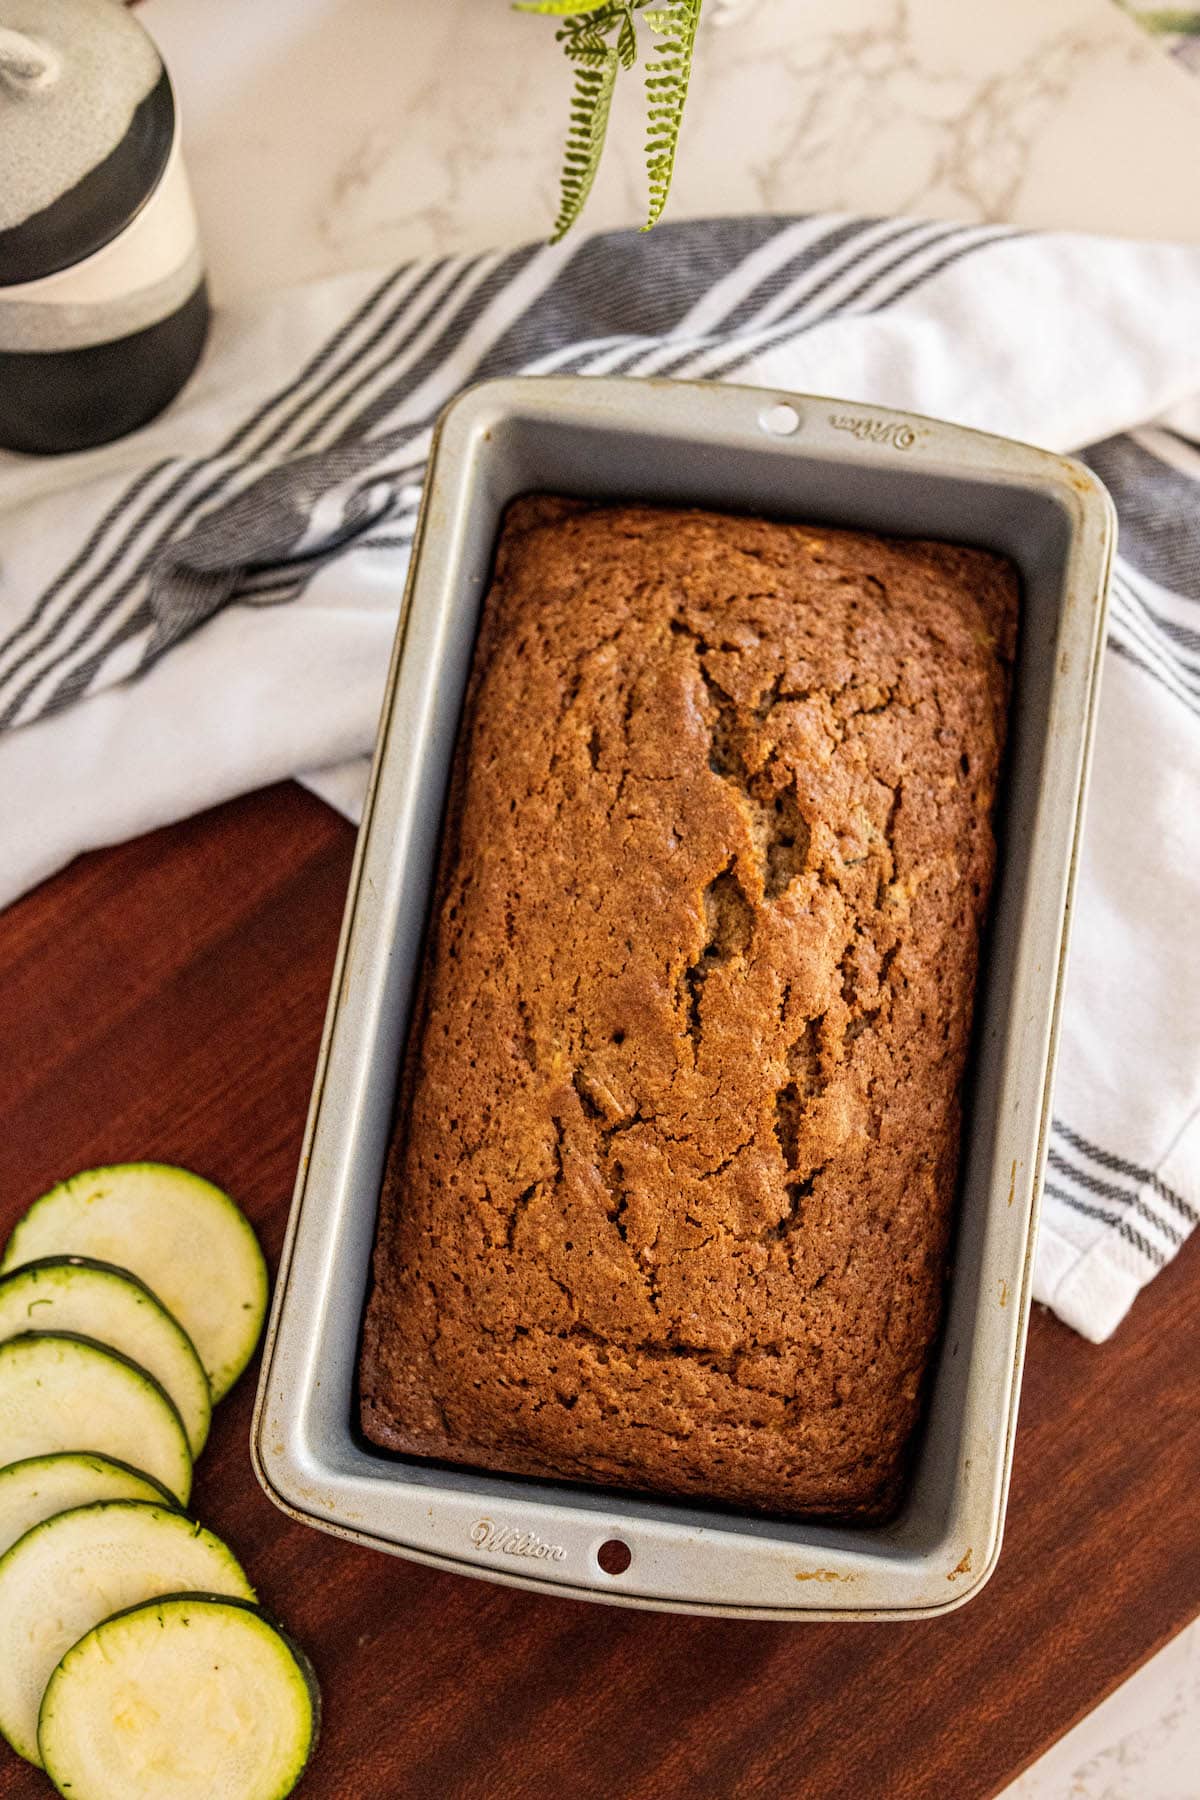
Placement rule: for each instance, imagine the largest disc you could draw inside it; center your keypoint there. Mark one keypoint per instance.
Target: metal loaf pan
(791, 457)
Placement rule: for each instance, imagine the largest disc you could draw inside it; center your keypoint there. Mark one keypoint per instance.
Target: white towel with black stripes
(207, 606)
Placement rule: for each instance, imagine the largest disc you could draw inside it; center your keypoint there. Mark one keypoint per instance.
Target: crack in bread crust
(670, 1191)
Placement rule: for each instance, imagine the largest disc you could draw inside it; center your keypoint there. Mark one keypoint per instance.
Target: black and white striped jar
(103, 305)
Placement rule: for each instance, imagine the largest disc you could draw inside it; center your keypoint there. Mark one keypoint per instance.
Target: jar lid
(87, 119)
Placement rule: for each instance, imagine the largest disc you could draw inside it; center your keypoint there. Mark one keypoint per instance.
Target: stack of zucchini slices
(134, 1661)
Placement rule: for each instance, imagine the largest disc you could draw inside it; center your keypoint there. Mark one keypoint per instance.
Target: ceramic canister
(103, 306)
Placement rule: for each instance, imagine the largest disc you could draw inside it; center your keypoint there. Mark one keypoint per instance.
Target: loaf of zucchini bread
(676, 1146)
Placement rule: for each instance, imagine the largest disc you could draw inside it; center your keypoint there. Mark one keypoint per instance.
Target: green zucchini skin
(29, 1487)
(142, 1550)
(98, 1356)
(112, 1307)
(183, 1236)
(159, 1616)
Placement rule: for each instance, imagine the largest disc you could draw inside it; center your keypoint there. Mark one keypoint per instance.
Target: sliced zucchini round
(41, 1486)
(62, 1392)
(180, 1699)
(63, 1577)
(71, 1293)
(182, 1236)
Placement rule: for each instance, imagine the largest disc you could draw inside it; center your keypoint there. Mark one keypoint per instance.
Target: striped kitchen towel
(208, 606)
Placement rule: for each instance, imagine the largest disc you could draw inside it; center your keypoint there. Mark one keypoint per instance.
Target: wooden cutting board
(164, 999)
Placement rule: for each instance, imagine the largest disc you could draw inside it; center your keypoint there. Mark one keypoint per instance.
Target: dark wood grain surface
(165, 999)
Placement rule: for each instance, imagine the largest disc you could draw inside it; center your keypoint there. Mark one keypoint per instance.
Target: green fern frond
(666, 94)
(593, 28)
(560, 8)
(627, 44)
(1170, 21)
(599, 37)
(591, 102)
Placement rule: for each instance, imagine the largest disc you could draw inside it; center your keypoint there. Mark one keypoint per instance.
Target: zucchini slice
(61, 1392)
(65, 1576)
(69, 1293)
(41, 1486)
(176, 1232)
(181, 1699)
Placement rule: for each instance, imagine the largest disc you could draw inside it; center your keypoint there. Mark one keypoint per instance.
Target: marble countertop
(325, 135)
(333, 134)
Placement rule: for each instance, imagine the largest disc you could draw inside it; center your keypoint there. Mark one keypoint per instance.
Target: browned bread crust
(670, 1193)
